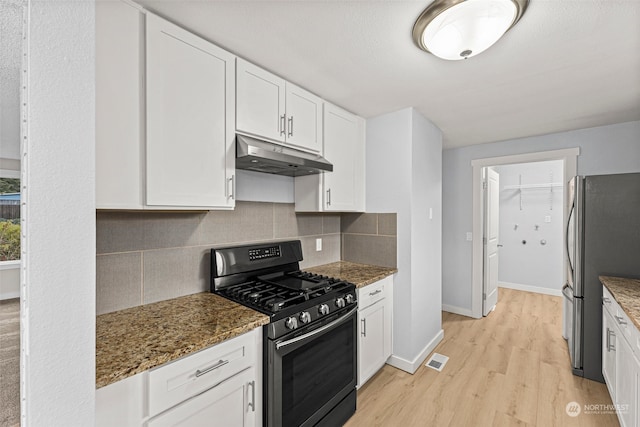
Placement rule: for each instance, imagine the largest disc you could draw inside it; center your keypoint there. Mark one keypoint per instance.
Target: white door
(344, 148)
(609, 341)
(190, 116)
(304, 118)
(260, 103)
(371, 350)
(491, 189)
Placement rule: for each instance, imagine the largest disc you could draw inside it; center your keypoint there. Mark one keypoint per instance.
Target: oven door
(311, 371)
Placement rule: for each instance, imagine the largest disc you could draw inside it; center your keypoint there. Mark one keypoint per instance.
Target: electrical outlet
(469, 236)
(318, 244)
(547, 218)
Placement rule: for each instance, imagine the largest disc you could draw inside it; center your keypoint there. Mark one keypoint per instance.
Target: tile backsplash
(370, 238)
(144, 257)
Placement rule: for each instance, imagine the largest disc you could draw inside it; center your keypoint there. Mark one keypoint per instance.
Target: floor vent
(437, 361)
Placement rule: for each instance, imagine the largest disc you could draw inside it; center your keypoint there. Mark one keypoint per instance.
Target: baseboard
(457, 310)
(412, 366)
(529, 288)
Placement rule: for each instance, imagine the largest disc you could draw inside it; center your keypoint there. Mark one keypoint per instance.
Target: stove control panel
(264, 253)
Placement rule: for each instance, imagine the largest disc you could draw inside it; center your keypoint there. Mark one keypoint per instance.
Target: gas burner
(275, 304)
(273, 285)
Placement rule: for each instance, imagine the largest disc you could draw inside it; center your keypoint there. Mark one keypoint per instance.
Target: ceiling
(568, 64)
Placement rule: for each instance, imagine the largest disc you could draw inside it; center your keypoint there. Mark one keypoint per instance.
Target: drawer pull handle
(620, 320)
(375, 293)
(220, 364)
(606, 300)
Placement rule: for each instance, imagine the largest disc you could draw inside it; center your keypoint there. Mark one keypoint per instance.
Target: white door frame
(570, 158)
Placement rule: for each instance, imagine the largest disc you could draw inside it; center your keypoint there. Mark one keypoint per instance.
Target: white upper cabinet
(169, 146)
(260, 103)
(119, 105)
(342, 190)
(344, 141)
(190, 120)
(267, 106)
(304, 119)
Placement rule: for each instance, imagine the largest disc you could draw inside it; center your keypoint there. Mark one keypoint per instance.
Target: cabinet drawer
(627, 328)
(608, 302)
(173, 383)
(231, 403)
(373, 293)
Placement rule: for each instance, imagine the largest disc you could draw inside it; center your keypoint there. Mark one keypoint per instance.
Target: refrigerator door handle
(571, 212)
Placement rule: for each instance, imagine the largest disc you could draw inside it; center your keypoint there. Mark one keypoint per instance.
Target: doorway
(568, 159)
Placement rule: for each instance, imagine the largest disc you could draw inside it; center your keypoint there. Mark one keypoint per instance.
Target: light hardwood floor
(508, 369)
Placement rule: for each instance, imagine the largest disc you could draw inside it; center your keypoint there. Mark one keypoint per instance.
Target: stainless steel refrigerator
(603, 238)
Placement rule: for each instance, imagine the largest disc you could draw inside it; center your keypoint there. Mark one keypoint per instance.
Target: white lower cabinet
(375, 305)
(221, 384)
(620, 361)
(230, 403)
(609, 352)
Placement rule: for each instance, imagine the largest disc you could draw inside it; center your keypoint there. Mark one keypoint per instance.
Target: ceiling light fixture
(460, 29)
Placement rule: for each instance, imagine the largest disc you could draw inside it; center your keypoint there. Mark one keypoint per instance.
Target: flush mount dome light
(460, 29)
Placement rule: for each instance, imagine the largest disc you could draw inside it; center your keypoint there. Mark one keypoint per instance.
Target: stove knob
(291, 323)
(305, 317)
(340, 302)
(323, 309)
(349, 299)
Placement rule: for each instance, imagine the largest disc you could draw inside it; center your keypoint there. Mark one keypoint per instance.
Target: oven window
(316, 372)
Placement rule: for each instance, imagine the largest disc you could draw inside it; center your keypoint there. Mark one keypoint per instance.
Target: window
(9, 219)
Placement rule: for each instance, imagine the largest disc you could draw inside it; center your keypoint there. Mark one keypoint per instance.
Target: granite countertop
(358, 274)
(627, 293)
(140, 338)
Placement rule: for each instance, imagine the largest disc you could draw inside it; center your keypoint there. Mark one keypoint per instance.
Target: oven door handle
(316, 331)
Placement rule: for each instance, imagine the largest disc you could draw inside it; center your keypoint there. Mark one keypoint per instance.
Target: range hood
(262, 156)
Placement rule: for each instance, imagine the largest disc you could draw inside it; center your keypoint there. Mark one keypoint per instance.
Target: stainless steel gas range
(310, 345)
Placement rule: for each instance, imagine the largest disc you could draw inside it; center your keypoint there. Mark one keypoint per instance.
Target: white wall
(604, 149)
(9, 280)
(406, 151)
(531, 266)
(58, 311)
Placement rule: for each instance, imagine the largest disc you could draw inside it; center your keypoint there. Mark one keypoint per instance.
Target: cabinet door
(344, 188)
(190, 117)
(119, 105)
(304, 119)
(609, 352)
(371, 349)
(260, 103)
(627, 370)
(231, 404)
